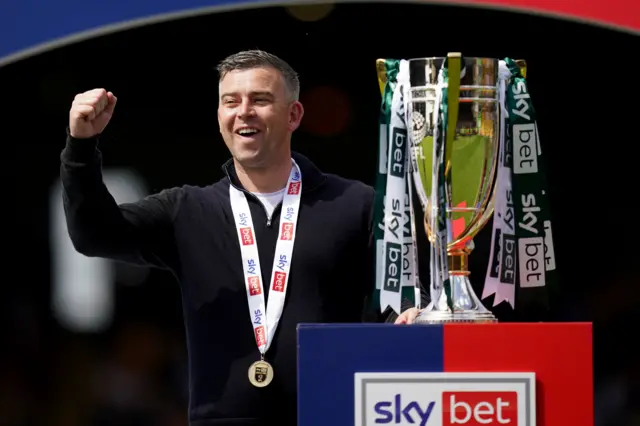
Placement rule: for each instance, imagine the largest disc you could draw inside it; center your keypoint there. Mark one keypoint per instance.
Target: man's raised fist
(90, 113)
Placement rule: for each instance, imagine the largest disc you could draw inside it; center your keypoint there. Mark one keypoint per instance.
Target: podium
(516, 374)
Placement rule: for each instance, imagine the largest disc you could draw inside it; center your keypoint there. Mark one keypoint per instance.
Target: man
(273, 244)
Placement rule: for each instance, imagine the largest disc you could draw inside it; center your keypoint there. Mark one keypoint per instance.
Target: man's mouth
(247, 131)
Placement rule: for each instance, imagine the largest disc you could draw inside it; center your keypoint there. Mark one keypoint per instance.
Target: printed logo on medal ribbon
(251, 267)
(247, 236)
(261, 338)
(289, 213)
(294, 188)
(282, 262)
(254, 285)
(279, 279)
(243, 220)
(257, 317)
(287, 231)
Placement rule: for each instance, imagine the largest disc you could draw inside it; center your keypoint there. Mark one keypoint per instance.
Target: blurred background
(86, 342)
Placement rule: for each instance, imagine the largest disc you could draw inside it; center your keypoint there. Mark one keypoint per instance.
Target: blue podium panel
(330, 355)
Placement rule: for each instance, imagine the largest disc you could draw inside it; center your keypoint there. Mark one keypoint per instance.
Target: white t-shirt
(270, 200)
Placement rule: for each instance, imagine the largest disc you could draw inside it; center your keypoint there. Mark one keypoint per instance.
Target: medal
(260, 373)
(265, 319)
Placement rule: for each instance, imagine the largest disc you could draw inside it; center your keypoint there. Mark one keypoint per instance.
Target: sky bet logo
(247, 236)
(288, 215)
(445, 399)
(282, 262)
(287, 231)
(251, 267)
(243, 219)
(254, 285)
(261, 338)
(294, 188)
(278, 281)
(458, 408)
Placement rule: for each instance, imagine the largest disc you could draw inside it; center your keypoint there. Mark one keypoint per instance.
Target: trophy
(454, 122)
(471, 149)
(463, 132)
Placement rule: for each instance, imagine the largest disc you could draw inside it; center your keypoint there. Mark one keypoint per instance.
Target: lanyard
(265, 321)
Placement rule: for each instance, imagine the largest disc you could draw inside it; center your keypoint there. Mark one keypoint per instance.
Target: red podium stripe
(560, 354)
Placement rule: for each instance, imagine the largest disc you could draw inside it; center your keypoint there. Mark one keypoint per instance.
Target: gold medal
(260, 373)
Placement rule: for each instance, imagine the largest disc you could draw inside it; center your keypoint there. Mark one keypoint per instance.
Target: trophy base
(467, 308)
(443, 317)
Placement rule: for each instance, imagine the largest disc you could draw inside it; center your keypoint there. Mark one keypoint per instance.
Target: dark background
(165, 128)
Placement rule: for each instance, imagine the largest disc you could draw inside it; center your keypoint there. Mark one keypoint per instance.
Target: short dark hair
(250, 59)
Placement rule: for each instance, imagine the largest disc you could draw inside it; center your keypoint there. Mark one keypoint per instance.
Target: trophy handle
(381, 69)
(489, 206)
(522, 64)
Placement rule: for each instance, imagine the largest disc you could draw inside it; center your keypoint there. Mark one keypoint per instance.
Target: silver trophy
(469, 158)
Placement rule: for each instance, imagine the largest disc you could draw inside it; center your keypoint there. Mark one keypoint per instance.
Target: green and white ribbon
(396, 271)
(501, 272)
(522, 261)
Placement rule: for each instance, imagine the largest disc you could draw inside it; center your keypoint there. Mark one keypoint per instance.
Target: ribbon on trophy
(396, 272)
(521, 261)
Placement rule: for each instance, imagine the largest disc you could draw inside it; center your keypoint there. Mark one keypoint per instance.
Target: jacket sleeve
(140, 233)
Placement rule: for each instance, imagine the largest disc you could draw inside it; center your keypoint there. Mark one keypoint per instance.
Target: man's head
(258, 107)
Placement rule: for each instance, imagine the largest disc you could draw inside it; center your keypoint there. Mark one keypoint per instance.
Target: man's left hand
(408, 316)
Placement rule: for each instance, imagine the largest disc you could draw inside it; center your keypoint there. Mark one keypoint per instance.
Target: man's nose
(245, 109)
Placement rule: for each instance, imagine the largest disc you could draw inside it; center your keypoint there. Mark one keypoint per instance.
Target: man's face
(257, 116)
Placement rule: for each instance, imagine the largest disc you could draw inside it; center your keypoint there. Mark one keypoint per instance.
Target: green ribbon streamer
(536, 272)
(392, 67)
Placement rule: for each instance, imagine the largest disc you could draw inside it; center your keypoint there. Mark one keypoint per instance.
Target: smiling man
(258, 112)
(275, 243)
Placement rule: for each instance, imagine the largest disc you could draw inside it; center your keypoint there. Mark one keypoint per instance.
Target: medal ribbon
(265, 321)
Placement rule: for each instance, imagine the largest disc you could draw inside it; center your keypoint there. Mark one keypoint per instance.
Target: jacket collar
(312, 177)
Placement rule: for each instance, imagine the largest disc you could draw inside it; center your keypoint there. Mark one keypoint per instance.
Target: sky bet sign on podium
(504, 374)
(445, 399)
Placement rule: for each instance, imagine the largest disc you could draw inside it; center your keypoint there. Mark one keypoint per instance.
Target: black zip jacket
(190, 231)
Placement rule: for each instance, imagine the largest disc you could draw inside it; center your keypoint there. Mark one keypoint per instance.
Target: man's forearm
(97, 225)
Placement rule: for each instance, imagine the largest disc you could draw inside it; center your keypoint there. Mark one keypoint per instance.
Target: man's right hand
(90, 113)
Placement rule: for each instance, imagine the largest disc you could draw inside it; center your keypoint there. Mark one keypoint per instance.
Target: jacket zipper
(269, 218)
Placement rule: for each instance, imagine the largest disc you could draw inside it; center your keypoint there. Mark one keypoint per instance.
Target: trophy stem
(467, 307)
(459, 261)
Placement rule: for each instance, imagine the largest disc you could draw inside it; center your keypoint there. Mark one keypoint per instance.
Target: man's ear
(296, 111)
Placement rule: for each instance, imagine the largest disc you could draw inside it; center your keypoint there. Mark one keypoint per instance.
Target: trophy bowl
(471, 167)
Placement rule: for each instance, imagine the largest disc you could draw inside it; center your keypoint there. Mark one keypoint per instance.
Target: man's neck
(264, 180)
